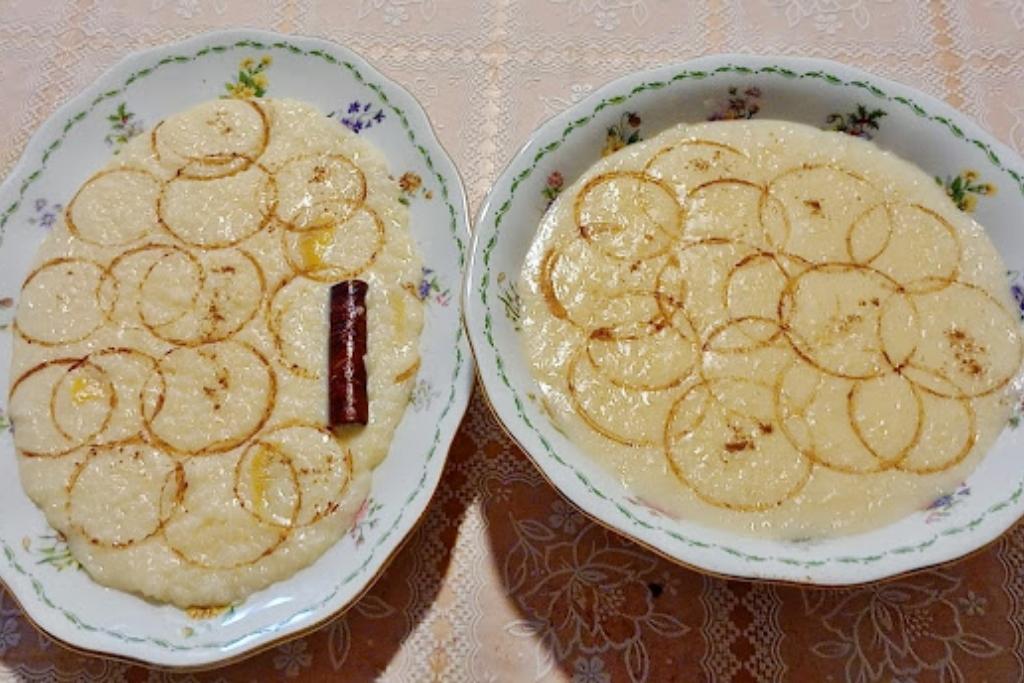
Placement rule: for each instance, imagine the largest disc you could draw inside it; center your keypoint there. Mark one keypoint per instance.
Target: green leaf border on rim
(460, 358)
(499, 363)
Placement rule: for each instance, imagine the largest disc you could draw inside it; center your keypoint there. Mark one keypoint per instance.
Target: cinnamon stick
(346, 364)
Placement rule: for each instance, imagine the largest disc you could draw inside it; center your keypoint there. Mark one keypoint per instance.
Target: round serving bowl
(76, 141)
(980, 175)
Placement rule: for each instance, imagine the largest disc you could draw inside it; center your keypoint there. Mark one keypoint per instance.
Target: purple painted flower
(941, 507)
(430, 285)
(1018, 295)
(360, 116)
(45, 213)
(427, 283)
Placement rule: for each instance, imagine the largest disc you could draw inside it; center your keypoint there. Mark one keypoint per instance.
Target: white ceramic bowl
(915, 126)
(76, 141)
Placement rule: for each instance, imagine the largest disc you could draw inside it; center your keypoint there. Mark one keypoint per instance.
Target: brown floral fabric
(505, 581)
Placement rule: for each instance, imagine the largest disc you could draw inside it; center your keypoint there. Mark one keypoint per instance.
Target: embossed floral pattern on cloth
(504, 580)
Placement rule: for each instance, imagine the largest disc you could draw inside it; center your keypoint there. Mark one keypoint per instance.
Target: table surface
(488, 73)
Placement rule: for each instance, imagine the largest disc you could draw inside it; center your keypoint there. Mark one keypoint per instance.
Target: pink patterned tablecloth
(496, 584)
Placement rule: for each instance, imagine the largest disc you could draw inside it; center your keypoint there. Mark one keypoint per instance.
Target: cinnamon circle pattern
(213, 140)
(169, 402)
(218, 212)
(53, 290)
(122, 495)
(129, 217)
(753, 324)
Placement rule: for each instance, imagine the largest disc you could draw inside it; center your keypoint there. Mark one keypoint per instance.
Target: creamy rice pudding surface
(771, 329)
(169, 395)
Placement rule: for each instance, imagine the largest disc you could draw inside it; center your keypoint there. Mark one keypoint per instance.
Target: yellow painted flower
(970, 175)
(242, 92)
(410, 182)
(251, 81)
(970, 202)
(613, 143)
(199, 613)
(988, 189)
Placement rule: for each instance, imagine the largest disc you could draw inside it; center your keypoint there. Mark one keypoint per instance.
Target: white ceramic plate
(915, 126)
(76, 141)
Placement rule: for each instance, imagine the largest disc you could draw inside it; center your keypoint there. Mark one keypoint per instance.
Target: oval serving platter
(78, 139)
(979, 174)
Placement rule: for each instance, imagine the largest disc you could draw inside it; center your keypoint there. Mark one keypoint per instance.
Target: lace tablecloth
(456, 605)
